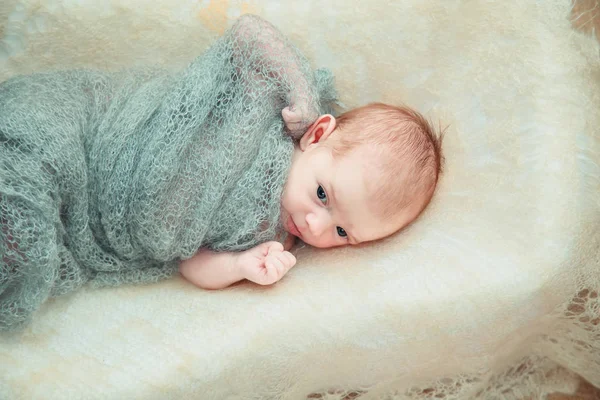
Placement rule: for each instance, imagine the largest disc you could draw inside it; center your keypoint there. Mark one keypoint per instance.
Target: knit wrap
(112, 177)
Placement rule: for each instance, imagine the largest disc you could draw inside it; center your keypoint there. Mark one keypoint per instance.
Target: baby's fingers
(274, 247)
(289, 259)
(282, 260)
(267, 247)
(278, 264)
(290, 116)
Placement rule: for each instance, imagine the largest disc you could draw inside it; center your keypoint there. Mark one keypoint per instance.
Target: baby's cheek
(324, 243)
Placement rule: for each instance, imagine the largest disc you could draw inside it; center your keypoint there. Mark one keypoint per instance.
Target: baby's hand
(266, 263)
(297, 120)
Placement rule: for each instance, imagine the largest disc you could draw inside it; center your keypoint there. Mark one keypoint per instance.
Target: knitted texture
(112, 178)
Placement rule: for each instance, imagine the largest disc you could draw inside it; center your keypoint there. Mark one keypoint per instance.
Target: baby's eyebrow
(331, 191)
(352, 239)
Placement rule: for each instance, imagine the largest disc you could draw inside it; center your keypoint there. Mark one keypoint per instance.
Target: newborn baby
(126, 177)
(354, 179)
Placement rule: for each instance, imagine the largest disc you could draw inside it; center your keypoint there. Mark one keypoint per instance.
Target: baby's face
(326, 200)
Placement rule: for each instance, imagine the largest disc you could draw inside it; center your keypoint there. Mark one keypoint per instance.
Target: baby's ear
(319, 131)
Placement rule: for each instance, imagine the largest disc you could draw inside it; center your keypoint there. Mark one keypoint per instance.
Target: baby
(113, 179)
(358, 178)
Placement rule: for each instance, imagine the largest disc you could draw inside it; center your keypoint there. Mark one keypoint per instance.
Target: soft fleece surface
(493, 289)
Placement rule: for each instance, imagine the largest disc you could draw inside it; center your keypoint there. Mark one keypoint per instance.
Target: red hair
(408, 153)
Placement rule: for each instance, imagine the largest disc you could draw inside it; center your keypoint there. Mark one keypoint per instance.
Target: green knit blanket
(112, 178)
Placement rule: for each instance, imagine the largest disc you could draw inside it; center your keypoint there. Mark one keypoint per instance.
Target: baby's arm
(260, 43)
(264, 264)
(210, 270)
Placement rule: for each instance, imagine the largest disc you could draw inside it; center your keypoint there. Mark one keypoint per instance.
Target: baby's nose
(317, 223)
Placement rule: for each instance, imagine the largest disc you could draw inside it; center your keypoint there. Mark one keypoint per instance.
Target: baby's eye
(321, 194)
(341, 232)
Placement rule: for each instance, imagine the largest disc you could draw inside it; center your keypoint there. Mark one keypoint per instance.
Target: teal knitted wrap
(112, 178)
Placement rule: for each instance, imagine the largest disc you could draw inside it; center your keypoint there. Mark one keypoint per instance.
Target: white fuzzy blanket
(493, 289)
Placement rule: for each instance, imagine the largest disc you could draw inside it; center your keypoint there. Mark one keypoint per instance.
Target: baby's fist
(297, 120)
(266, 263)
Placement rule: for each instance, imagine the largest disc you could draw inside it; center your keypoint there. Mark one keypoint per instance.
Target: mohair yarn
(112, 177)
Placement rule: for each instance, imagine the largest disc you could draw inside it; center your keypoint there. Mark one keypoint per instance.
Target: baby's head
(361, 177)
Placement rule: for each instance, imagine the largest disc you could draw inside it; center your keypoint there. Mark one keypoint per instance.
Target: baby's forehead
(379, 165)
(389, 179)
(367, 197)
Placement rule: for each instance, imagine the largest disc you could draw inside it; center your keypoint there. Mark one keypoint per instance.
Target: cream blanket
(492, 293)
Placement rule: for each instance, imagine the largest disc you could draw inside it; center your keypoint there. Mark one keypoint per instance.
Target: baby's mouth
(292, 228)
